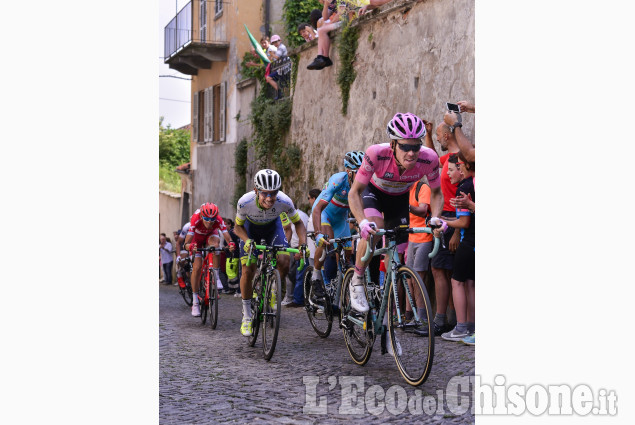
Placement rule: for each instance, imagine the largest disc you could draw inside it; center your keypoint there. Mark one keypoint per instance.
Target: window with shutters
(219, 6)
(203, 20)
(208, 114)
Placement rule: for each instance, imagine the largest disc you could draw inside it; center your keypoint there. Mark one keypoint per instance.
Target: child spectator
(307, 32)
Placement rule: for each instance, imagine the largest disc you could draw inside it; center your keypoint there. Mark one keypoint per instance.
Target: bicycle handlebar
(277, 248)
(393, 232)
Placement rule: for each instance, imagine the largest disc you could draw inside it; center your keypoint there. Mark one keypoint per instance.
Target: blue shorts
(272, 233)
(339, 225)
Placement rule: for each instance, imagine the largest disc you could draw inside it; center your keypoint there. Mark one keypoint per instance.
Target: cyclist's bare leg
(196, 274)
(246, 280)
(214, 241)
(283, 265)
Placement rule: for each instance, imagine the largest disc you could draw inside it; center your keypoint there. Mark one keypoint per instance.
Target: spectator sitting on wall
(372, 4)
(307, 32)
(332, 21)
(315, 18)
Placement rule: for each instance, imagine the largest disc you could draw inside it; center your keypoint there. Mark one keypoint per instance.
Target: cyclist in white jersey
(258, 218)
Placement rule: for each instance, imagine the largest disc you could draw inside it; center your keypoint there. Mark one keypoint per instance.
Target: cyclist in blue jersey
(330, 214)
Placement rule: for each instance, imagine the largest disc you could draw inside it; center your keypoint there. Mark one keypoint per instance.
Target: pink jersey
(380, 167)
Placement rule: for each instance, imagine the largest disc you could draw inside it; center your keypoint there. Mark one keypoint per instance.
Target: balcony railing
(183, 30)
(178, 32)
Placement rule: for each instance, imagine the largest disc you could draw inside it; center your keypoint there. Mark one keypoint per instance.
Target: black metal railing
(283, 68)
(178, 32)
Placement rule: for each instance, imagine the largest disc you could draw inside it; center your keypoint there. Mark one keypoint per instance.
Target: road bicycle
(413, 352)
(266, 303)
(322, 311)
(208, 294)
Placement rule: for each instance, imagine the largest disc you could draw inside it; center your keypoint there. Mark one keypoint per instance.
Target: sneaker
(293, 304)
(328, 61)
(318, 288)
(286, 301)
(438, 330)
(358, 295)
(389, 345)
(245, 327)
(176, 283)
(469, 340)
(318, 63)
(454, 335)
(196, 310)
(237, 295)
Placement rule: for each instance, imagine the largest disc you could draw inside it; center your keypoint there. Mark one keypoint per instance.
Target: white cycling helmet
(267, 180)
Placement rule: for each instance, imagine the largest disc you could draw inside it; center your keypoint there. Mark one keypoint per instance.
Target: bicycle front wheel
(356, 326)
(203, 304)
(271, 314)
(414, 353)
(319, 311)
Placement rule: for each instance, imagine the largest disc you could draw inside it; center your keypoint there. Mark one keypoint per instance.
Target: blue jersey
(335, 193)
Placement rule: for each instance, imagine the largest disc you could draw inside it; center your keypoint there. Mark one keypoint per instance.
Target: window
(209, 114)
(219, 6)
(203, 20)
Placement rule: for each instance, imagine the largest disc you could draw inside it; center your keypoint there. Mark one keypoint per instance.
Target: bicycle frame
(390, 280)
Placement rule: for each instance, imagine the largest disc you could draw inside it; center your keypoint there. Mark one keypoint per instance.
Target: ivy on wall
(347, 49)
(240, 167)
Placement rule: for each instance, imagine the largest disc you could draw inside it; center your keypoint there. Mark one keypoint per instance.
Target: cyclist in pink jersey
(379, 197)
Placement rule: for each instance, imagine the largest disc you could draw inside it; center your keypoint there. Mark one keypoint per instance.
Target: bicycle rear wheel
(213, 304)
(320, 312)
(271, 314)
(414, 354)
(255, 311)
(359, 341)
(202, 288)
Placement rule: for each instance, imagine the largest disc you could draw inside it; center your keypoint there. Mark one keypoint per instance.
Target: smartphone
(453, 107)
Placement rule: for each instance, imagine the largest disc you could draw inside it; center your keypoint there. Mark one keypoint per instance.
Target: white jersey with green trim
(248, 209)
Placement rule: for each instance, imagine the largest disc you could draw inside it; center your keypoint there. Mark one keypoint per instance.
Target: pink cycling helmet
(405, 126)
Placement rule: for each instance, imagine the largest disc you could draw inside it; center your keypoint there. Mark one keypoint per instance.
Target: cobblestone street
(213, 376)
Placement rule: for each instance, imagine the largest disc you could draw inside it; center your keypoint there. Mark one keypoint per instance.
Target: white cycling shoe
(358, 295)
(196, 310)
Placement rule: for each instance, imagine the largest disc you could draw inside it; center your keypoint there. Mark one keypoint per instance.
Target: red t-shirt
(448, 189)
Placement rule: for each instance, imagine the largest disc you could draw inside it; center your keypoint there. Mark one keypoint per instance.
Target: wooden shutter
(211, 114)
(209, 107)
(206, 115)
(221, 115)
(195, 118)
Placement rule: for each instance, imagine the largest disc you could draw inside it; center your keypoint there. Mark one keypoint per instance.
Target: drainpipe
(267, 3)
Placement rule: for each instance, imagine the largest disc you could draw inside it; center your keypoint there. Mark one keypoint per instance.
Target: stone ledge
(375, 14)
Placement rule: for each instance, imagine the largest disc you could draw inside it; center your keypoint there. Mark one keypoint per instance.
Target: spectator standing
(165, 250)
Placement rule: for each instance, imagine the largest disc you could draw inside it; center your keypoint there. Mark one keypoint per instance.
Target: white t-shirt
(295, 241)
(166, 253)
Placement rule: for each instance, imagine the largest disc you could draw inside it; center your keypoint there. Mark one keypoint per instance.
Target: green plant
(252, 71)
(347, 49)
(295, 12)
(240, 167)
(174, 150)
(370, 37)
(295, 61)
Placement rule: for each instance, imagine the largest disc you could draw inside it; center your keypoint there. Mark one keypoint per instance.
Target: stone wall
(413, 56)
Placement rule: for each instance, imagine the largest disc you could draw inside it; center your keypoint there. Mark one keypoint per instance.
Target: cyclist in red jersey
(206, 226)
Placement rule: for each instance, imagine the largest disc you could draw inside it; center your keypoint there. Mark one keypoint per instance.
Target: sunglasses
(269, 194)
(407, 148)
(208, 219)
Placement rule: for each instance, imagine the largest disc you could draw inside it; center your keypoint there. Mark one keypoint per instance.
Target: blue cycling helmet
(353, 159)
